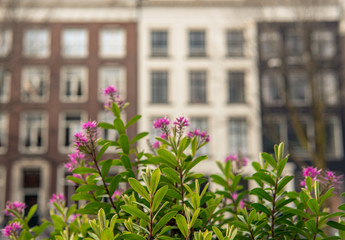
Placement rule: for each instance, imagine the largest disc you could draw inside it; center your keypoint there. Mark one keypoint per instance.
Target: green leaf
(119, 126)
(138, 137)
(101, 152)
(106, 125)
(135, 212)
(107, 234)
(132, 236)
(32, 211)
(133, 120)
(114, 183)
(75, 180)
(314, 206)
(218, 233)
(123, 141)
(265, 177)
(159, 197)
(59, 224)
(261, 194)
(219, 180)
(39, 229)
(182, 225)
(168, 156)
(81, 196)
(195, 216)
(161, 223)
(86, 188)
(260, 207)
(336, 225)
(106, 167)
(281, 166)
(269, 158)
(188, 166)
(171, 174)
(126, 162)
(299, 213)
(283, 182)
(83, 170)
(156, 175)
(139, 188)
(93, 208)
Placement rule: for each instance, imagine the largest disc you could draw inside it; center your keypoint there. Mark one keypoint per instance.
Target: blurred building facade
(55, 59)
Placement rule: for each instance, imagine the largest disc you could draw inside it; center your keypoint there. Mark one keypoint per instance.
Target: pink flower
(164, 136)
(181, 122)
(57, 198)
(89, 125)
(116, 194)
(190, 134)
(75, 159)
(74, 217)
(156, 145)
(17, 207)
(239, 162)
(12, 229)
(311, 172)
(231, 158)
(161, 122)
(242, 204)
(110, 90)
(196, 132)
(244, 162)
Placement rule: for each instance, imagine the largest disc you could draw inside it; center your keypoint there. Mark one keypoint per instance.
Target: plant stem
(151, 218)
(317, 226)
(181, 179)
(273, 208)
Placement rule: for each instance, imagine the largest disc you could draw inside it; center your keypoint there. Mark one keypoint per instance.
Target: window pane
(323, 43)
(5, 41)
(294, 42)
(273, 88)
(238, 136)
(197, 86)
(74, 43)
(298, 87)
(35, 84)
(295, 145)
(235, 43)
(3, 131)
(159, 43)
(334, 138)
(159, 87)
(74, 84)
(34, 127)
(270, 44)
(328, 86)
(31, 178)
(236, 87)
(71, 125)
(36, 43)
(197, 43)
(4, 85)
(112, 43)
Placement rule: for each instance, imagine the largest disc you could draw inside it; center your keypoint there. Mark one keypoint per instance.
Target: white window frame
(66, 44)
(324, 35)
(62, 125)
(244, 138)
(118, 46)
(35, 48)
(42, 124)
(4, 127)
(84, 83)
(30, 83)
(119, 81)
(6, 78)
(6, 36)
(17, 190)
(266, 88)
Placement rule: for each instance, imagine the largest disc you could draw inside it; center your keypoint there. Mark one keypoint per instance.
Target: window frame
(278, 42)
(307, 93)
(4, 128)
(266, 83)
(45, 80)
(243, 98)
(63, 46)
(33, 53)
(245, 151)
(232, 52)
(159, 53)
(6, 41)
(102, 50)
(315, 47)
(5, 98)
(84, 84)
(202, 52)
(205, 121)
(122, 83)
(166, 86)
(203, 89)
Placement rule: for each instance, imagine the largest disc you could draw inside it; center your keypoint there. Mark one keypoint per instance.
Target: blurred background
(252, 73)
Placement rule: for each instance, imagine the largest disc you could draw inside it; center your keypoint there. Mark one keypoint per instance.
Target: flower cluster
(311, 172)
(111, 96)
(238, 161)
(17, 207)
(75, 160)
(201, 135)
(163, 124)
(57, 198)
(86, 139)
(116, 194)
(12, 230)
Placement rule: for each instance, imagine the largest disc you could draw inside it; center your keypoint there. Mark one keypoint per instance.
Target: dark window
(32, 178)
(159, 87)
(236, 87)
(235, 43)
(273, 88)
(323, 43)
(270, 44)
(197, 43)
(31, 184)
(198, 87)
(159, 43)
(294, 42)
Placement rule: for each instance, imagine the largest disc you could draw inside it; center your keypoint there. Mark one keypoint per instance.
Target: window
(108, 134)
(33, 132)
(238, 139)
(74, 84)
(112, 75)
(35, 84)
(198, 87)
(197, 43)
(273, 89)
(295, 146)
(69, 126)
(159, 87)
(74, 43)
(294, 42)
(2, 190)
(334, 137)
(112, 43)
(31, 184)
(298, 87)
(5, 84)
(235, 43)
(159, 43)
(274, 132)
(323, 43)
(36, 43)
(270, 45)
(328, 86)
(4, 126)
(201, 124)
(5, 42)
(236, 87)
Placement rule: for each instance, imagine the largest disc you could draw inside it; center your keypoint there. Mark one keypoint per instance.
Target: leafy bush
(165, 199)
